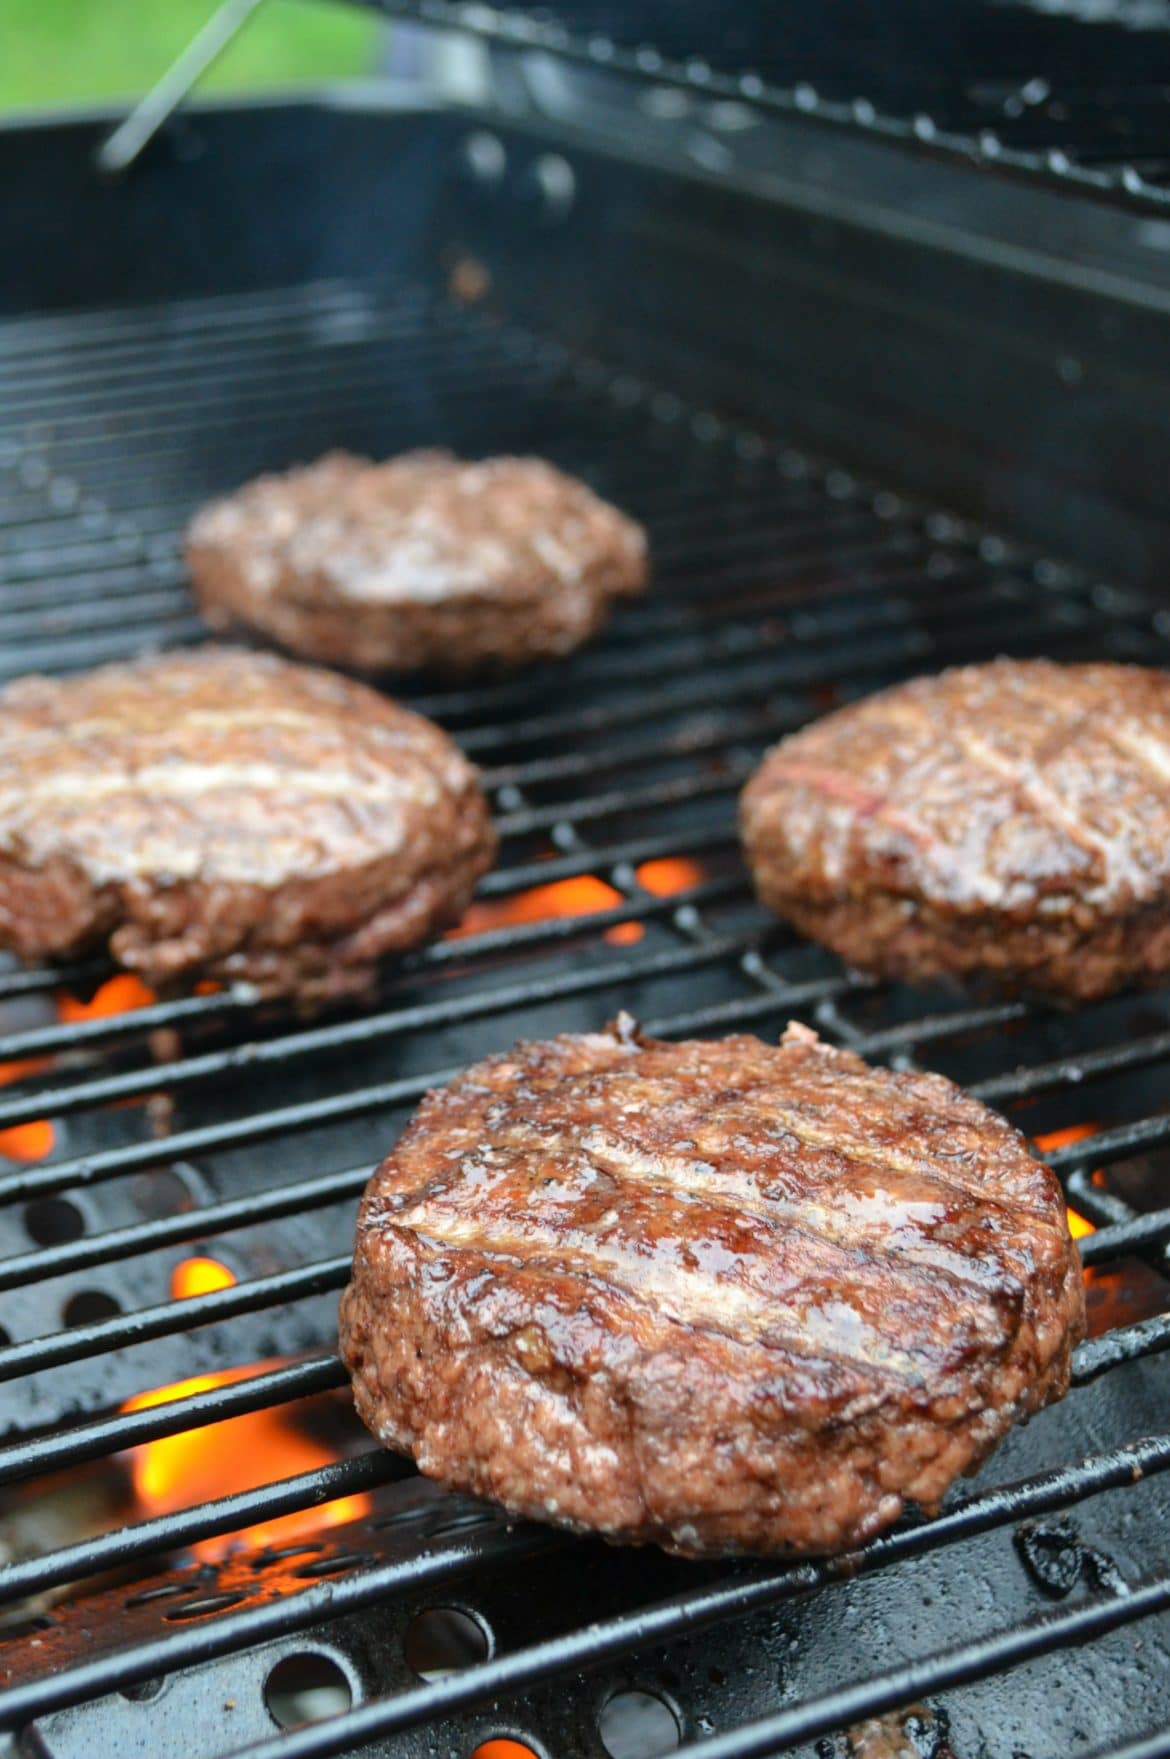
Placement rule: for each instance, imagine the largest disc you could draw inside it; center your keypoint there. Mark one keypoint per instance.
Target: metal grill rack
(783, 587)
(1074, 99)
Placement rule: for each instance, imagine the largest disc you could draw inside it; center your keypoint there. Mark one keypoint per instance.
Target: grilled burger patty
(720, 1296)
(230, 815)
(421, 561)
(1008, 821)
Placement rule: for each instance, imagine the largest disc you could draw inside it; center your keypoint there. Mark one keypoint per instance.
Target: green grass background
(71, 51)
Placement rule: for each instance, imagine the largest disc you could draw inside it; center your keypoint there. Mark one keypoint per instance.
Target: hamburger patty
(230, 815)
(1008, 821)
(720, 1296)
(421, 561)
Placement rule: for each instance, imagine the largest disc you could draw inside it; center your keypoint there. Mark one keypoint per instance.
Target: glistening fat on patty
(718, 1296)
(1007, 822)
(421, 561)
(223, 814)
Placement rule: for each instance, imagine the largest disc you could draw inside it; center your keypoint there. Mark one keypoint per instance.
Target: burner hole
(333, 1566)
(166, 1591)
(198, 1609)
(637, 1725)
(403, 1517)
(88, 1306)
(461, 1523)
(444, 1640)
(51, 1221)
(263, 1559)
(306, 1688)
(141, 1691)
(504, 1747)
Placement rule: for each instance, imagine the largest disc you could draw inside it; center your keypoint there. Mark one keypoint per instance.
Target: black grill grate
(783, 587)
(1071, 96)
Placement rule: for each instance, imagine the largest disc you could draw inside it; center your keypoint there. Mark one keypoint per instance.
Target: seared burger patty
(230, 815)
(423, 561)
(1008, 821)
(720, 1296)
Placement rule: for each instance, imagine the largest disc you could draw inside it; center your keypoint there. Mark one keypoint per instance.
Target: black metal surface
(782, 587)
(1072, 100)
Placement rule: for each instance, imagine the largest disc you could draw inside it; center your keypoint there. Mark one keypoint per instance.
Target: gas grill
(691, 334)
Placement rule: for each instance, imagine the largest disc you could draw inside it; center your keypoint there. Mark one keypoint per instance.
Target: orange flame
(584, 895)
(502, 1748)
(673, 873)
(241, 1453)
(36, 1140)
(26, 1142)
(1078, 1225)
(118, 995)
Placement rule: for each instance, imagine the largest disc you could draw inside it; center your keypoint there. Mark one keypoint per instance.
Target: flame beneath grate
(585, 895)
(118, 995)
(26, 1142)
(1078, 1225)
(242, 1453)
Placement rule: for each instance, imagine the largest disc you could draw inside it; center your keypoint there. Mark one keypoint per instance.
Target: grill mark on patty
(750, 1252)
(739, 1195)
(187, 780)
(1040, 799)
(1149, 753)
(158, 717)
(836, 1136)
(838, 784)
(684, 1296)
(760, 1109)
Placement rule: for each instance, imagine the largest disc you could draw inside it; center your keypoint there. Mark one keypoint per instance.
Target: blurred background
(56, 52)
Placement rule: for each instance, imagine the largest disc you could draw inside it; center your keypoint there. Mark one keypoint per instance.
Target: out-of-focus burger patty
(421, 561)
(1008, 822)
(230, 815)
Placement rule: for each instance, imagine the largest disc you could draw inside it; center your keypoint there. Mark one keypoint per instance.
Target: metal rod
(207, 1520)
(109, 1435)
(119, 151)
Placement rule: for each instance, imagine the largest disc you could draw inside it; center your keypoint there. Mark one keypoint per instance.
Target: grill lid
(1071, 96)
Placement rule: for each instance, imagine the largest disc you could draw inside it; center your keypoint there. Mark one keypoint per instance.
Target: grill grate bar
(1133, 1053)
(109, 1435)
(194, 1224)
(1113, 1145)
(78, 1034)
(1126, 1343)
(272, 1052)
(1134, 1235)
(241, 999)
(147, 326)
(618, 1635)
(80, 1342)
(226, 1514)
(885, 651)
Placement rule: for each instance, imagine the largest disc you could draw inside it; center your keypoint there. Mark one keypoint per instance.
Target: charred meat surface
(422, 561)
(1007, 822)
(230, 815)
(724, 1297)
